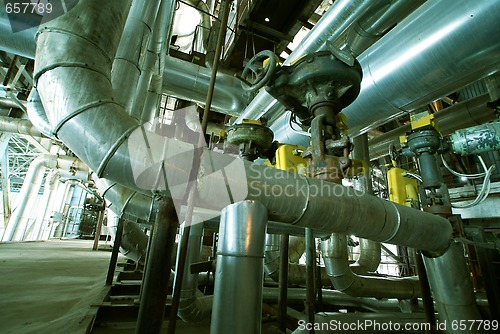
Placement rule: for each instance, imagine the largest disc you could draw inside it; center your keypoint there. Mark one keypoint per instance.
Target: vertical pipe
(425, 289)
(224, 13)
(114, 253)
(155, 282)
(452, 289)
(237, 306)
(99, 227)
(5, 187)
(283, 283)
(310, 283)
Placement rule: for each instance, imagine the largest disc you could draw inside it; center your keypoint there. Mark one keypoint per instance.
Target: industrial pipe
(239, 271)
(36, 114)
(154, 63)
(17, 224)
(334, 251)
(193, 306)
(477, 139)
(452, 289)
(48, 190)
(419, 60)
(372, 26)
(129, 57)
(296, 272)
(369, 257)
(19, 126)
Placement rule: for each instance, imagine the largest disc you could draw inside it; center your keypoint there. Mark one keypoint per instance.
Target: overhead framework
(100, 70)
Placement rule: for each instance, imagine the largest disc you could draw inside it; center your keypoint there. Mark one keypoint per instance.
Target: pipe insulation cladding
(477, 139)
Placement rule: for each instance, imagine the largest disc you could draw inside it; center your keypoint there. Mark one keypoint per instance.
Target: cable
(300, 132)
(415, 176)
(468, 176)
(485, 190)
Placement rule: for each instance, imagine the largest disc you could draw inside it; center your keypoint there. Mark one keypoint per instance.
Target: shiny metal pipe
(19, 126)
(154, 63)
(296, 272)
(193, 306)
(36, 114)
(8, 103)
(237, 306)
(452, 288)
(50, 182)
(334, 297)
(341, 15)
(325, 206)
(131, 51)
(190, 82)
(369, 28)
(21, 43)
(369, 257)
(425, 57)
(334, 251)
(17, 225)
(461, 115)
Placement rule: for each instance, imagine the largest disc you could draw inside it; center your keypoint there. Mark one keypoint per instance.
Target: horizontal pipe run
(294, 199)
(19, 126)
(439, 48)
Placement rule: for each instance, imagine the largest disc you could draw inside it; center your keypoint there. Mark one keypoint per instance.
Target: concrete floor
(48, 287)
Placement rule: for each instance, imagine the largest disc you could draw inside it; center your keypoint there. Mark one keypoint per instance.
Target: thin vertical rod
(310, 283)
(225, 6)
(99, 227)
(283, 283)
(114, 253)
(154, 287)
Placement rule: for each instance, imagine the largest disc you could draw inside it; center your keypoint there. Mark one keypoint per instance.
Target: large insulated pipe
(237, 306)
(461, 115)
(294, 199)
(334, 251)
(477, 139)
(22, 42)
(17, 125)
(436, 50)
(154, 61)
(452, 289)
(371, 27)
(36, 114)
(193, 306)
(129, 57)
(50, 184)
(17, 225)
(181, 79)
(190, 82)
(341, 15)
